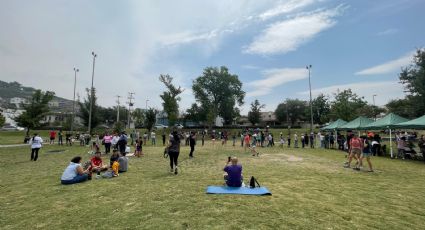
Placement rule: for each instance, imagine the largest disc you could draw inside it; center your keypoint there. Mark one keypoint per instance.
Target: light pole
(91, 92)
(374, 109)
(73, 102)
(311, 105)
(147, 104)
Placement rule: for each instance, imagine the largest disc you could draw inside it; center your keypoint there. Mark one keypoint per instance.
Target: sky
(359, 45)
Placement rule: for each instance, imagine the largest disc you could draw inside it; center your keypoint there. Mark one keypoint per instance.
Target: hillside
(15, 89)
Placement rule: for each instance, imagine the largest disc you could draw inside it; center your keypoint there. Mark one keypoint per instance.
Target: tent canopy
(357, 124)
(418, 123)
(334, 125)
(389, 121)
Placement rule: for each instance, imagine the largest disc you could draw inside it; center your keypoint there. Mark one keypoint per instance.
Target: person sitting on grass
(74, 173)
(233, 176)
(114, 157)
(123, 163)
(97, 164)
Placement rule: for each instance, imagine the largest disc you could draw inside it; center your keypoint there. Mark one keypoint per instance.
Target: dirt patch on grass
(281, 157)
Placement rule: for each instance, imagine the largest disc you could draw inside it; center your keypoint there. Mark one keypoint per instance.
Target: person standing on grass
(174, 151)
(60, 137)
(145, 138)
(246, 140)
(107, 141)
(153, 137)
(401, 145)
(36, 142)
(192, 143)
(289, 140)
(163, 135)
(356, 147)
(367, 152)
(122, 142)
(312, 140)
(421, 145)
(203, 138)
(52, 135)
(295, 140)
(242, 138)
(74, 173)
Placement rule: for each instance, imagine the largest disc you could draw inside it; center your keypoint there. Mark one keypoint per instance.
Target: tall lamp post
(374, 109)
(91, 92)
(311, 104)
(73, 102)
(147, 104)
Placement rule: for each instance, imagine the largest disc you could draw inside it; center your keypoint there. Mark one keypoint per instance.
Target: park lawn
(311, 190)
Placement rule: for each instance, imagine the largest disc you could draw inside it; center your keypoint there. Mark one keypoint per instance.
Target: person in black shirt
(192, 143)
(174, 151)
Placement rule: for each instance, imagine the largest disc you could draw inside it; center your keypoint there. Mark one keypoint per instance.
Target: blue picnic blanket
(238, 190)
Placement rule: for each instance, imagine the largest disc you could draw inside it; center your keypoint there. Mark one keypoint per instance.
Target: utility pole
(311, 105)
(130, 104)
(118, 108)
(73, 100)
(92, 91)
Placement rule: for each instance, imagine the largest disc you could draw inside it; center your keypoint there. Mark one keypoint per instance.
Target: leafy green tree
(35, 110)
(291, 111)
(371, 111)
(347, 105)
(254, 116)
(2, 120)
(196, 113)
(401, 107)
(218, 92)
(85, 110)
(413, 79)
(139, 117)
(150, 118)
(170, 98)
(321, 109)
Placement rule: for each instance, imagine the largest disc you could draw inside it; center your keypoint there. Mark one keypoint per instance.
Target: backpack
(253, 183)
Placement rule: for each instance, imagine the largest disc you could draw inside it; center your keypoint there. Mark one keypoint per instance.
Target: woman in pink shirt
(107, 142)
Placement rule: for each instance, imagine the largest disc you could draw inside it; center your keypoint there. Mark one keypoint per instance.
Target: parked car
(160, 126)
(179, 126)
(12, 128)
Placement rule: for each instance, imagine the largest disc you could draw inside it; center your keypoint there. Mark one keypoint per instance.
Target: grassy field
(311, 190)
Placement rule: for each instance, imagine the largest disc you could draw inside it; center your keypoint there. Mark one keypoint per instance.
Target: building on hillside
(18, 101)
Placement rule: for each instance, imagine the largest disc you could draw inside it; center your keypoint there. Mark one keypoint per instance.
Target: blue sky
(360, 45)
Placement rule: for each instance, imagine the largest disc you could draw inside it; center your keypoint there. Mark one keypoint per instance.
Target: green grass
(310, 190)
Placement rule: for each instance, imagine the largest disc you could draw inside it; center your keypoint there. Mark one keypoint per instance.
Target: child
(114, 157)
(94, 148)
(138, 150)
(282, 141)
(113, 171)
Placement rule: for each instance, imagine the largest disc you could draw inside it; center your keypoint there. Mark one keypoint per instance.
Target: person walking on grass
(192, 143)
(253, 147)
(107, 141)
(295, 140)
(401, 145)
(356, 146)
(52, 135)
(246, 140)
(174, 151)
(312, 140)
(60, 137)
(367, 152)
(36, 142)
(153, 137)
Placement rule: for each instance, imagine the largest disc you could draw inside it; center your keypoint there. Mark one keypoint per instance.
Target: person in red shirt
(247, 141)
(97, 164)
(356, 147)
(52, 135)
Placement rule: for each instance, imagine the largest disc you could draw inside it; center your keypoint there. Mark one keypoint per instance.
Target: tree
(170, 98)
(321, 109)
(401, 107)
(196, 113)
(346, 106)
(413, 79)
(218, 92)
(139, 117)
(371, 111)
(35, 110)
(85, 110)
(150, 118)
(2, 120)
(254, 116)
(291, 110)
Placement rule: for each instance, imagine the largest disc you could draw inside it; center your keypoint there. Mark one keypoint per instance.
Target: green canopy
(389, 121)
(334, 125)
(418, 123)
(357, 124)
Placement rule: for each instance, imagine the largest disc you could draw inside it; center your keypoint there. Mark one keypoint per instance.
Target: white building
(17, 101)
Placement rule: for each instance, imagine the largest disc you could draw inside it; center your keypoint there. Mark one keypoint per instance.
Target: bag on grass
(253, 183)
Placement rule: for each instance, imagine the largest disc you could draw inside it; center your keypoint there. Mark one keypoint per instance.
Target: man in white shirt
(153, 137)
(36, 143)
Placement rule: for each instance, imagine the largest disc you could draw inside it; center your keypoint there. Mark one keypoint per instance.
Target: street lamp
(311, 105)
(147, 104)
(73, 102)
(91, 93)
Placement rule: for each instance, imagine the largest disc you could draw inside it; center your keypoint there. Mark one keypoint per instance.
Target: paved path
(16, 145)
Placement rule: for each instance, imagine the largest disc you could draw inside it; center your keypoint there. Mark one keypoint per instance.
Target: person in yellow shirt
(115, 167)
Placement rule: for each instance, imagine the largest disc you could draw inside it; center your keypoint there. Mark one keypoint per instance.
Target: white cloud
(388, 67)
(388, 32)
(284, 8)
(288, 35)
(385, 90)
(187, 37)
(274, 78)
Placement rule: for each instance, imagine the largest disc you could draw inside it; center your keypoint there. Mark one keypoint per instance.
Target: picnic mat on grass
(260, 191)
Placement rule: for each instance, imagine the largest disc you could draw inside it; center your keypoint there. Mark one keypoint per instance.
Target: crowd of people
(357, 147)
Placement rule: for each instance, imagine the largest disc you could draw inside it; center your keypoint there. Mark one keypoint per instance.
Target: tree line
(218, 92)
